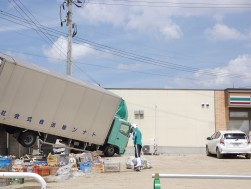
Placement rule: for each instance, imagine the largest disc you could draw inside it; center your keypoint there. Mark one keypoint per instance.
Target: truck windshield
(124, 129)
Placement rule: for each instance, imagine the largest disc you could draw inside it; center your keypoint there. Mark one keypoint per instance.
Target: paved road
(170, 164)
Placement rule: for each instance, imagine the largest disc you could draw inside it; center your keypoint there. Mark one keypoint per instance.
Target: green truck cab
(119, 134)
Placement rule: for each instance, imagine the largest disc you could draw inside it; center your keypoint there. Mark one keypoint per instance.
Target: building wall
(177, 120)
(174, 118)
(221, 111)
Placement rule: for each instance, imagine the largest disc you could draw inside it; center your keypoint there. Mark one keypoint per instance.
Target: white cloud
(142, 19)
(12, 28)
(159, 21)
(59, 50)
(132, 67)
(237, 72)
(222, 32)
(172, 32)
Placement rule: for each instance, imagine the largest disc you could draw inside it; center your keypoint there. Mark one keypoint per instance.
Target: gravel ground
(168, 164)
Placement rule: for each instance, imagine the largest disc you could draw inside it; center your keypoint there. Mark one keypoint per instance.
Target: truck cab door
(122, 137)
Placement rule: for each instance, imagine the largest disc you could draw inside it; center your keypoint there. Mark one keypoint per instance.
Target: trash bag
(64, 173)
(131, 162)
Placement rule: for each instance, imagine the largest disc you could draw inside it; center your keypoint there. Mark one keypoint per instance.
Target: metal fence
(157, 177)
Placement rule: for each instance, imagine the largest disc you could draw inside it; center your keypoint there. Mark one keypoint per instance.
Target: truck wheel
(27, 139)
(109, 151)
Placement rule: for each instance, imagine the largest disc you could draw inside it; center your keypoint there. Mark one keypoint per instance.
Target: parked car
(229, 142)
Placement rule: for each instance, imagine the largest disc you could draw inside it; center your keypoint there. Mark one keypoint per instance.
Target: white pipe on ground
(35, 176)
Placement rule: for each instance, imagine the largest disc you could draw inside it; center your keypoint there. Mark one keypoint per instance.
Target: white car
(229, 142)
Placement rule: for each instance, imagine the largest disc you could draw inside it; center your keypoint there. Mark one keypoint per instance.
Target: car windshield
(234, 136)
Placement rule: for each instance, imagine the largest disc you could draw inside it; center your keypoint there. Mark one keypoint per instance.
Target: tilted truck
(37, 103)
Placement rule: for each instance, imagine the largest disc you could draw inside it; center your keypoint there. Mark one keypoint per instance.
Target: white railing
(35, 176)
(157, 176)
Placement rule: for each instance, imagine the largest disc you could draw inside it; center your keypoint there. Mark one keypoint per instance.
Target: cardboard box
(52, 160)
(98, 168)
(111, 166)
(53, 170)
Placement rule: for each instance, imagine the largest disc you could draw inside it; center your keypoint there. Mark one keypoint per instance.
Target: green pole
(156, 183)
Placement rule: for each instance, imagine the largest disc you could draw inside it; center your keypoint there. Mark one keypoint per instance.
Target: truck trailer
(38, 104)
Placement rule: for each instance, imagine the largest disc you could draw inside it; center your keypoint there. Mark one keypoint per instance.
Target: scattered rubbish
(131, 162)
(63, 166)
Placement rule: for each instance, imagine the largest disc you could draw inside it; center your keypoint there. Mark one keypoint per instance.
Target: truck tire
(27, 139)
(109, 151)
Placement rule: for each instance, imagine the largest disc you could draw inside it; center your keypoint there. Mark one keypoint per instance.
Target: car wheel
(207, 151)
(218, 154)
(27, 139)
(248, 156)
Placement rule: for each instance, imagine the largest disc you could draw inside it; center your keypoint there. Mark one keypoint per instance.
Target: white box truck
(37, 103)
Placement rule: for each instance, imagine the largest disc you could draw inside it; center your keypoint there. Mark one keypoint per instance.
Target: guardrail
(35, 176)
(157, 177)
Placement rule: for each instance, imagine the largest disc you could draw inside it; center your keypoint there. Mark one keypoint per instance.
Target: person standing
(137, 140)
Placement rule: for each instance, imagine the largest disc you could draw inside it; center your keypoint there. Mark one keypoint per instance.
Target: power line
(169, 4)
(99, 66)
(34, 23)
(136, 57)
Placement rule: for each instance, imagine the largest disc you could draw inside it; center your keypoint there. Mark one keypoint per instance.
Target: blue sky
(175, 44)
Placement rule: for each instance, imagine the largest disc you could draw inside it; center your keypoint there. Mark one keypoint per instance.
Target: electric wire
(142, 59)
(35, 25)
(169, 4)
(124, 54)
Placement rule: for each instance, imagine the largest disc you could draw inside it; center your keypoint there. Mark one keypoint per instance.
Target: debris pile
(63, 166)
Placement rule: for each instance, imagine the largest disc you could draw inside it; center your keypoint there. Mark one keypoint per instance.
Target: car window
(217, 135)
(213, 136)
(234, 136)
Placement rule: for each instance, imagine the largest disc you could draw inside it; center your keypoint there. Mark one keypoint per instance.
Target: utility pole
(69, 44)
(72, 30)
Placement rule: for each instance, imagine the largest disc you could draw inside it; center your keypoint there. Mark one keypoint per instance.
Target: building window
(238, 114)
(139, 114)
(240, 119)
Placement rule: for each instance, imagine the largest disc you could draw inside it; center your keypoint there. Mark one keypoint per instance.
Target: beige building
(178, 121)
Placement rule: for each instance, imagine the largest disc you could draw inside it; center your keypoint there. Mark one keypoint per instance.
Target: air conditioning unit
(149, 149)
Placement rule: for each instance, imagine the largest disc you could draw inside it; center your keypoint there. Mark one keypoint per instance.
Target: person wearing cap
(137, 137)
